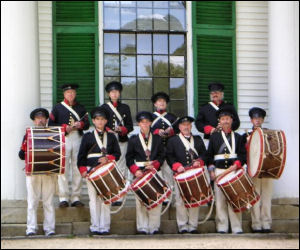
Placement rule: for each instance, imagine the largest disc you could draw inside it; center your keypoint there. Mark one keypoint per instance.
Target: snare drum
(150, 189)
(194, 187)
(238, 189)
(267, 153)
(108, 182)
(45, 151)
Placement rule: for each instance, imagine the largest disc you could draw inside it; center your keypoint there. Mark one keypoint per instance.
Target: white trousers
(40, 186)
(167, 174)
(147, 220)
(224, 211)
(261, 211)
(73, 141)
(100, 212)
(187, 218)
(122, 161)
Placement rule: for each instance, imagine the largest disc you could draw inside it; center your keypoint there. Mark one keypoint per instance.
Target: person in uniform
(162, 125)
(39, 186)
(206, 121)
(225, 149)
(98, 147)
(73, 117)
(145, 152)
(119, 123)
(185, 150)
(261, 211)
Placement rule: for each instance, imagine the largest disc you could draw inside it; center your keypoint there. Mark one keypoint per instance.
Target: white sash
(214, 105)
(71, 110)
(116, 112)
(231, 149)
(99, 142)
(146, 147)
(188, 145)
(161, 116)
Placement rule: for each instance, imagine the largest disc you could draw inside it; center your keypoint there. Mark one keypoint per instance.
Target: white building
(266, 71)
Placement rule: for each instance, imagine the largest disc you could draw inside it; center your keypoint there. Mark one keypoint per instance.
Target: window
(145, 49)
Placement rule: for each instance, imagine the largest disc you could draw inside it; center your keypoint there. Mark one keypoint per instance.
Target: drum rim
(118, 196)
(284, 155)
(151, 174)
(242, 209)
(164, 196)
(242, 172)
(104, 172)
(198, 204)
(190, 177)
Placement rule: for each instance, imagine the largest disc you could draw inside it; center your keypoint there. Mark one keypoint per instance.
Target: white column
(284, 88)
(19, 89)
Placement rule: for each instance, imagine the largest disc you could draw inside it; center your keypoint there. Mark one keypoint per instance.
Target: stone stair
(76, 221)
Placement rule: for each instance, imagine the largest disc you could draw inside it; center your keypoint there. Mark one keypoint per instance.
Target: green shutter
(214, 49)
(75, 52)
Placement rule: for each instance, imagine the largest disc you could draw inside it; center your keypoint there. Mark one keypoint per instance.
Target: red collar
(144, 136)
(227, 132)
(219, 103)
(161, 111)
(67, 102)
(186, 136)
(114, 103)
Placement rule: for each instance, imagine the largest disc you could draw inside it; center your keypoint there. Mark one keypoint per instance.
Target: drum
(45, 151)
(194, 187)
(108, 182)
(238, 189)
(150, 189)
(267, 153)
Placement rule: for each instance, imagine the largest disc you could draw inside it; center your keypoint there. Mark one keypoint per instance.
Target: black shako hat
(225, 111)
(257, 112)
(68, 86)
(144, 115)
(38, 112)
(216, 86)
(98, 111)
(114, 85)
(159, 95)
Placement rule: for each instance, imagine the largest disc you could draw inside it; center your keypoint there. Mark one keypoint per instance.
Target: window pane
(128, 65)
(111, 65)
(160, 4)
(160, 17)
(107, 80)
(144, 21)
(160, 65)
(177, 88)
(128, 43)
(111, 18)
(177, 4)
(145, 105)
(160, 44)
(144, 88)
(147, 4)
(144, 65)
(177, 66)
(144, 44)
(177, 45)
(128, 3)
(178, 108)
(128, 18)
(111, 43)
(161, 84)
(129, 87)
(111, 3)
(132, 106)
(177, 19)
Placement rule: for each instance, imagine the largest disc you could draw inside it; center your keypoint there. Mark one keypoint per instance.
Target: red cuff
(64, 126)
(156, 131)
(82, 169)
(81, 124)
(238, 163)
(134, 168)
(201, 162)
(156, 164)
(207, 129)
(124, 131)
(111, 157)
(172, 132)
(107, 129)
(52, 117)
(176, 165)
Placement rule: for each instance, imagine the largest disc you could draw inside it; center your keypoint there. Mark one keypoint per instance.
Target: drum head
(256, 150)
(101, 170)
(143, 179)
(188, 173)
(229, 177)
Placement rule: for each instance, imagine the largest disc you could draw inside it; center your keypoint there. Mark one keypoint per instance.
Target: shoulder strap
(116, 113)
(71, 110)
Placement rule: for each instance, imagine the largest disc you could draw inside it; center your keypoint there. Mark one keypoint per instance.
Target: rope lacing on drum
(268, 144)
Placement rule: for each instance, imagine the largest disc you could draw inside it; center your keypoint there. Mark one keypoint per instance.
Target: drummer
(225, 149)
(145, 152)
(98, 147)
(261, 212)
(39, 185)
(185, 150)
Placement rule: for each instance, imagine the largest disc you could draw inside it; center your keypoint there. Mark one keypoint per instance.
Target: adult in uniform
(162, 126)
(225, 149)
(73, 117)
(261, 211)
(98, 147)
(185, 150)
(39, 186)
(206, 121)
(119, 122)
(145, 152)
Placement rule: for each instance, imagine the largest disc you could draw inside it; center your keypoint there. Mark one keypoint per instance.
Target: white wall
(19, 89)
(284, 88)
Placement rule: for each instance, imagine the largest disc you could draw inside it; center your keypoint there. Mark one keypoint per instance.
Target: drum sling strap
(161, 116)
(118, 115)
(189, 146)
(71, 110)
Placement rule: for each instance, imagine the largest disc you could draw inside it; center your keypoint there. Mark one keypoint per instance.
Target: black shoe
(157, 232)
(117, 203)
(141, 233)
(221, 232)
(95, 233)
(256, 231)
(31, 234)
(105, 233)
(194, 232)
(183, 231)
(77, 204)
(240, 232)
(49, 234)
(266, 231)
(63, 204)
